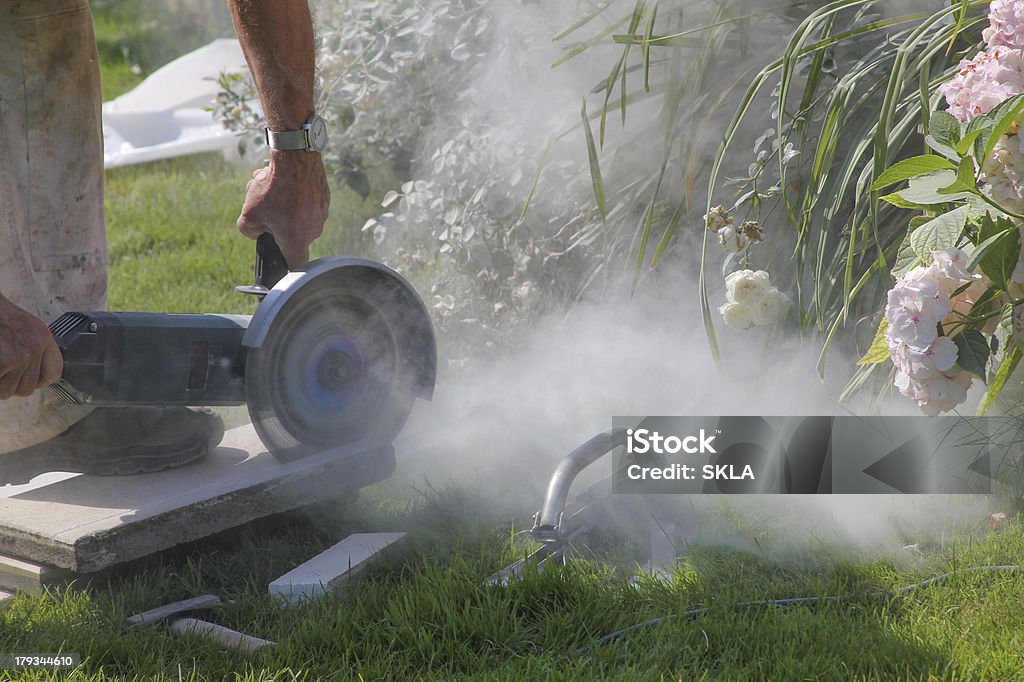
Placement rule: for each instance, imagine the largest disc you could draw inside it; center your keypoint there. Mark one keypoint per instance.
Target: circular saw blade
(330, 370)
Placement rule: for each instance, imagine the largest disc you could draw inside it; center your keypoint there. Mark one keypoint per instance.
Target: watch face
(317, 134)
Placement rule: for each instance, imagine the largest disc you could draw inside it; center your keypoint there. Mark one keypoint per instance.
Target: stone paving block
(28, 576)
(333, 569)
(88, 523)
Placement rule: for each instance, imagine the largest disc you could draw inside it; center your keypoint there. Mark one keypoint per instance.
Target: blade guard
(415, 318)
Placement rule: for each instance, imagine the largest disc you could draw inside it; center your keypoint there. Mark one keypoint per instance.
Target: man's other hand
(290, 199)
(29, 358)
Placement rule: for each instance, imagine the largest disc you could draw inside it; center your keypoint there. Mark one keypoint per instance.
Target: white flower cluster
(925, 362)
(1003, 172)
(751, 299)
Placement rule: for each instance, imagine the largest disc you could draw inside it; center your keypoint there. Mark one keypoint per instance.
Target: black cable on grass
(794, 601)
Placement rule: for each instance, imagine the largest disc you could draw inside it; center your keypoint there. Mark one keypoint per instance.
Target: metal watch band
(287, 140)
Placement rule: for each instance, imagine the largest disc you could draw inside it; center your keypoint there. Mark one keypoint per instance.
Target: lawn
(424, 612)
(172, 237)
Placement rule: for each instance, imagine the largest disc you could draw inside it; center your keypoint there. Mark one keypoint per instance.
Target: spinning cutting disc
(336, 365)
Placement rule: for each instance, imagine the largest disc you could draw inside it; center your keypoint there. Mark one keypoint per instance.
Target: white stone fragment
(331, 569)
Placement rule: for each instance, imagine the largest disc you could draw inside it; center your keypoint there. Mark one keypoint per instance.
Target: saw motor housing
(337, 351)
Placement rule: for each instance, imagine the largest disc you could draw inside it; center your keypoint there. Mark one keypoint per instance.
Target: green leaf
(646, 49)
(909, 168)
(977, 130)
(582, 21)
(943, 134)
(879, 349)
(906, 258)
(986, 302)
(944, 128)
(1006, 368)
(358, 181)
(991, 239)
(1004, 116)
(990, 227)
(941, 149)
(1006, 319)
(1000, 257)
(964, 5)
(595, 163)
(924, 189)
(939, 233)
(965, 181)
(972, 352)
(977, 208)
(967, 141)
(899, 202)
(346, 116)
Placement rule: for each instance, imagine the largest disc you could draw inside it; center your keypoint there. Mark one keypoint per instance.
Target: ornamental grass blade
(580, 48)
(582, 21)
(595, 164)
(536, 180)
(646, 49)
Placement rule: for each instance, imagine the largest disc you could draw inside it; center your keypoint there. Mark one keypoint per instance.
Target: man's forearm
(289, 197)
(277, 39)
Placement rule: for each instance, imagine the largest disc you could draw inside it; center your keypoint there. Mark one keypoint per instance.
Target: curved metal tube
(548, 519)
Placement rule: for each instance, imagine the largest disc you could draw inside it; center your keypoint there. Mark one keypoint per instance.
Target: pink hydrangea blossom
(925, 362)
(1003, 172)
(982, 83)
(1005, 24)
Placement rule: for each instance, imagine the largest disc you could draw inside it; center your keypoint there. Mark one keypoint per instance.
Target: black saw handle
(269, 268)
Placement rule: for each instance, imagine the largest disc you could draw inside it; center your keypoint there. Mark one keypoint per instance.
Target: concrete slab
(88, 523)
(28, 576)
(332, 569)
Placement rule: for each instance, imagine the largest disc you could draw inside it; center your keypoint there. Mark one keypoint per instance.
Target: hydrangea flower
(925, 362)
(936, 394)
(751, 299)
(985, 81)
(1006, 24)
(1003, 172)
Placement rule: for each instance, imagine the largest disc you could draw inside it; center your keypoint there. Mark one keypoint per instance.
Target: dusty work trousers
(53, 251)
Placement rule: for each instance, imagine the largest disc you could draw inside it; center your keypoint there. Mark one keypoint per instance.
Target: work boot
(117, 441)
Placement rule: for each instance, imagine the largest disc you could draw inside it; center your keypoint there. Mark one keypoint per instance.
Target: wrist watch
(312, 137)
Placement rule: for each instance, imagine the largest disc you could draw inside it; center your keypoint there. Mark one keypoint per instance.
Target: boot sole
(117, 462)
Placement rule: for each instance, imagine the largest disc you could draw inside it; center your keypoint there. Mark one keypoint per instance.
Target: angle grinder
(337, 351)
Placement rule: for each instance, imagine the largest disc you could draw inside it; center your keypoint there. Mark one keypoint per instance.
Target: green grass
(424, 614)
(173, 242)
